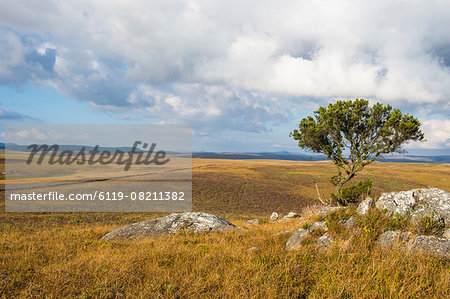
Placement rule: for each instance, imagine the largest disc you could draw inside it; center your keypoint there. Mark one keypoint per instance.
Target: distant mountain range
(282, 155)
(303, 157)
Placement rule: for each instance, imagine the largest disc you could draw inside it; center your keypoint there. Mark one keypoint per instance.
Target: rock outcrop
(171, 224)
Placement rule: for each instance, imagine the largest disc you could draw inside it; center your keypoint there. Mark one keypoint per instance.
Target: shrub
(352, 193)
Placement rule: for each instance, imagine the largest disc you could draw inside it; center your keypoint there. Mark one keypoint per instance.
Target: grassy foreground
(60, 255)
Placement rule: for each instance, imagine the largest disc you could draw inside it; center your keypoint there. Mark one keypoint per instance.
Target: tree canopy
(352, 135)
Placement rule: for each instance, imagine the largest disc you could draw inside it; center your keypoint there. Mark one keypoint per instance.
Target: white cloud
(437, 135)
(34, 135)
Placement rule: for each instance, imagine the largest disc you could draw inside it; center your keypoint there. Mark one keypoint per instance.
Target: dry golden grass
(68, 260)
(259, 187)
(59, 255)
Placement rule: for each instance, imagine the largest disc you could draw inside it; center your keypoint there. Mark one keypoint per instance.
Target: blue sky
(242, 73)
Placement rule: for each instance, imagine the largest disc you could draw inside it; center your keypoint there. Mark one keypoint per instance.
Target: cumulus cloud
(32, 135)
(238, 65)
(437, 134)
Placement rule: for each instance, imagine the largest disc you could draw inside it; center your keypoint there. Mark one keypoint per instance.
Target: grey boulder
(417, 203)
(171, 224)
(390, 238)
(364, 206)
(414, 243)
(431, 244)
(295, 241)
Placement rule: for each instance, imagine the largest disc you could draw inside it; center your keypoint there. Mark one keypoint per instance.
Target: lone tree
(352, 135)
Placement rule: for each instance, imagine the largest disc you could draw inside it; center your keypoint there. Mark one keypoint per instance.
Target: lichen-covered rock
(417, 203)
(294, 242)
(274, 217)
(414, 243)
(253, 221)
(171, 224)
(364, 206)
(389, 238)
(396, 202)
(430, 244)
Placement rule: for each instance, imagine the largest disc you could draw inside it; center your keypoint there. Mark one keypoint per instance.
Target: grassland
(235, 188)
(60, 255)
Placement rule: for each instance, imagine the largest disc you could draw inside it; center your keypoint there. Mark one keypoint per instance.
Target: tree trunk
(339, 187)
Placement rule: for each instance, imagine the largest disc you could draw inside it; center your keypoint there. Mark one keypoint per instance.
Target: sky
(242, 73)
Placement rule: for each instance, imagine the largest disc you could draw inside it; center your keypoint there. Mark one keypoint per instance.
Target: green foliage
(352, 135)
(352, 193)
(397, 222)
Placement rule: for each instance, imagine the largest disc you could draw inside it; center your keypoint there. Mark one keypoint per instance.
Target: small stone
(318, 225)
(253, 221)
(274, 217)
(349, 223)
(251, 249)
(324, 241)
(364, 206)
(292, 215)
(294, 242)
(327, 210)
